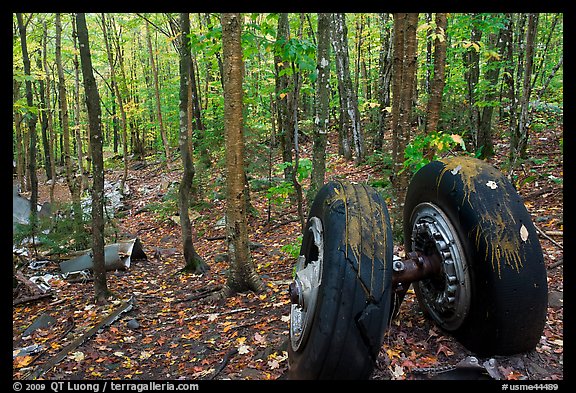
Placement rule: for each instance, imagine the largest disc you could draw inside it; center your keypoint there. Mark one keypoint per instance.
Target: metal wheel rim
(308, 276)
(446, 297)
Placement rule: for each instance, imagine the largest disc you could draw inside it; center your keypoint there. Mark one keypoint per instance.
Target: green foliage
(279, 193)
(438, 141)
(292, 248)
(379, 159)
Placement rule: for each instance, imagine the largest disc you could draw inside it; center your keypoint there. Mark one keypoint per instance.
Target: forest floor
(167, 335)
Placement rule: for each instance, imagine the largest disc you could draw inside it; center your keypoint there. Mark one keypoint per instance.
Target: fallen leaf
(523, 233)
(77, 356)
(243, 349)
(445, 350)
(273, 364)
(259, 339)
(398, 372)
(22, 361)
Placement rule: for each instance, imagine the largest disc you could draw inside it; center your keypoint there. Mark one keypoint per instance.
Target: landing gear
(472, 255)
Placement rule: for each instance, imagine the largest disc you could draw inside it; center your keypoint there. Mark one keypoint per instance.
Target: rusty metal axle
(416, 267)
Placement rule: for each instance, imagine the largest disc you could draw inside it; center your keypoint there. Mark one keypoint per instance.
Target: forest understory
(172, 332)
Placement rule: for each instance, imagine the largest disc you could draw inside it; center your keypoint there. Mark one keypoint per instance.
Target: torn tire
(342, 287)
(492, 291)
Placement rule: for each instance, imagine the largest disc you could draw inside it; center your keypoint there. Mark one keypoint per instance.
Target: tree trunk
(471, 59)
(101, 291)
(437, 83)
(49, 113)
(398, 74)
(284, 104)
(242, 275)
(406, 97)
(508, 77)
(485, 140)
(115, 86)
(77, 130)
(20, 149)
(71, 179)
(516, 45)
(321, 107)
(44, 122)
(31, 121)
(384, 78)
(550, 77)
(193, 262)
(521, 138)
(157, 93)
(405, 76)
(349, 113)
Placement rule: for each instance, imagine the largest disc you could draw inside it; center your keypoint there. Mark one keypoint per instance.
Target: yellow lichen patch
(494, 231)
(497, 227)
(365, 231)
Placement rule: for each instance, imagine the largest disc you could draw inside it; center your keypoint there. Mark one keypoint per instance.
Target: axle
(416, 267)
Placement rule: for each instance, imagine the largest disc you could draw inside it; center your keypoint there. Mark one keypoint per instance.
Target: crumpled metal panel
(117, 256)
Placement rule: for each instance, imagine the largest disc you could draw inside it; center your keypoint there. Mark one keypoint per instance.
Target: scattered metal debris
(41, 322)
(21, 209)
(467, 368)
(110, 319)
(29, 350)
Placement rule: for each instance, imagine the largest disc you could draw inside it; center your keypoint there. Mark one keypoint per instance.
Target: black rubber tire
(353, 301)
(507, 274)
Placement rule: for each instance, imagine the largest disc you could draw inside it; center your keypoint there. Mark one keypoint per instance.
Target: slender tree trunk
(44, 122)
(242, 275)
(295, 182)
(406, 95)
(472, 75)
(77, 130)
(524, 122)
(119, 99)
(71, 179)
(31, 121)
(101, 291)
(20, 149)
(508, 77)
(539, 69)
(437, 83)
(196, 115)
(321, 107)
(348, 100)
(193, 262)
(384, 78)
(157, 93)
(550, 77)
(485, 140)
(49, 113)
(398, 75)
(426, 81)
(284, 104)
(517, 45)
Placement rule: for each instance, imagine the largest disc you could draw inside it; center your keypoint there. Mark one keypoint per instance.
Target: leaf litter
(247, 333)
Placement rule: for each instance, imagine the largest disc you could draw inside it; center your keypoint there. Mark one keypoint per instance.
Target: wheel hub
(303, 290)
(447, 295)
